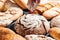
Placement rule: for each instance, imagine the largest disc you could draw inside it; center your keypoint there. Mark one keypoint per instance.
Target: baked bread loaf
(4, 19)
(7, 34)
(10, 13)
(55, 32)
(14, 12)
(38, 37)
(49, 14)
(44, 6)
(32, 24)
(55, 22)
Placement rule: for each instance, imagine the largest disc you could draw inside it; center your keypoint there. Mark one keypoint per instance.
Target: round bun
(55, 33)
(32, 24)
(10, 13)
(4, 19)
(12, 9)
(38, 37)
(7, 34)
(14, 12)
(55, 22)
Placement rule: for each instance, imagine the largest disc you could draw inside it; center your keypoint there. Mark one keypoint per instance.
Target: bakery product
(38, 37)
(22, 3)
(46, 5)
(55, 22)
(9, 13)
(4, 21)
(7, 34)
(9, 4)
(7, 17)
(2, 4)
(12, 1)
(49, 14)
(13, 9)
(55, 32)
(32, 24)
(43, 7)
(14, 12)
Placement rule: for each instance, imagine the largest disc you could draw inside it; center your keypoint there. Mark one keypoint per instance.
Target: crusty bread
(7, 34)
(2, 4)
(46, 5)
(55, 33)
(49, 14)
(22, 3)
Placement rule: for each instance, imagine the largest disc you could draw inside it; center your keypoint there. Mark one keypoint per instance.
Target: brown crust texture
(2, 4)
(51, 13)
(22, 3)
(10, 13)
(55, 33)
(7, 34)
(46, 5)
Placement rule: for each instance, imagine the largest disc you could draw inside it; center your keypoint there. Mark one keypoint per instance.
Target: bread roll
(15, 12)
(10, 13)
(49, 14)
(55, 33)
(46, 5)
(7, 34)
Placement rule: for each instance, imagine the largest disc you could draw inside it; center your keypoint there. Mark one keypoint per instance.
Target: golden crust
(2, 4)
(55, 33)
(6, 31)
(22, 3)
(51, 13)
(7, 34)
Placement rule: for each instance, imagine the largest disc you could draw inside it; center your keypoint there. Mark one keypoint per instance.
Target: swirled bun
(32, 24)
